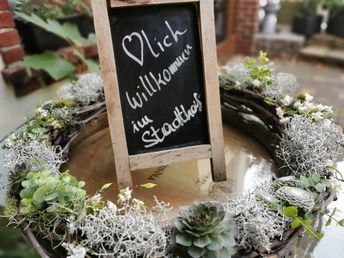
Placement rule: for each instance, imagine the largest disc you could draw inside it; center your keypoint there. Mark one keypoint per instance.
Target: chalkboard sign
(160, 77)
(158, 61)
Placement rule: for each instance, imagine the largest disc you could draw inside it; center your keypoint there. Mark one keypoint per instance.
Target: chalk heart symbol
(133, 38)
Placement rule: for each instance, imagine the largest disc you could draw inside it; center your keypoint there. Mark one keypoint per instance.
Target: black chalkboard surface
(160, 76)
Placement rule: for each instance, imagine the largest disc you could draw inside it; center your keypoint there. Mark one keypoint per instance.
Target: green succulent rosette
(204, 230)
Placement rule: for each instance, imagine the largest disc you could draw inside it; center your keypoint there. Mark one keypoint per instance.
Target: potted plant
(37, 40)
(307, 22)
(335, 25)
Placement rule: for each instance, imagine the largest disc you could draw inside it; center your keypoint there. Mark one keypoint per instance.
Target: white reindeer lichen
(124, 230)
(258, 225)
(307, 146)
(282, 83)
(86, 90)
(33, 155)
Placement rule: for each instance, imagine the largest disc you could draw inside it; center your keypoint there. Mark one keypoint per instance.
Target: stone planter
(335, 25)
(307, 25)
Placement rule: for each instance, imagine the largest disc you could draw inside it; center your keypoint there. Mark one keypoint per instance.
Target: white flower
(138, 204)
(56, 125)
(306, 107)
(317, 116)
(256, 83)
(286, 100)
(324, 108)
(124, 195)
(297, 104)
(94, 200)
(112, 206)
(308, 97)
(280, 112)
(285, 120)
(75, 251)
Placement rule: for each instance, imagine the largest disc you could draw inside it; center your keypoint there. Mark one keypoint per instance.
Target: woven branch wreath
(61, 220)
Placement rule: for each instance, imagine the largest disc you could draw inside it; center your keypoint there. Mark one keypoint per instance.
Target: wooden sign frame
(125, 162)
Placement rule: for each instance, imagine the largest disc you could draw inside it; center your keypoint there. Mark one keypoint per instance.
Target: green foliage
(315, 183)
(53, 115)
(331, 218)
(270, 101)
(57, 67)
(259, 72)
(290, 212)
(48, 10)
(204, 230)
(148, 185)
(105, 187)
(54, 194)
(301, 221)
(66, 31)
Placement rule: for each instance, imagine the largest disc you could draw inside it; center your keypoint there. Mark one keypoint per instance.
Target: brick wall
(12, 53)
(247, 25)
(10, 45)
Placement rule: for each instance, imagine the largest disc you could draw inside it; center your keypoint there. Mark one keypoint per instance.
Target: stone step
(324, 53)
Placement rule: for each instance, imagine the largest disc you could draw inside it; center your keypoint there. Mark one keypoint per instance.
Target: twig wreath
(61, 220)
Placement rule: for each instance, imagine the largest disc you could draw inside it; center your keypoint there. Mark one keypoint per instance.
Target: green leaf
(316, 177)
(320, 235)
(333, 211)
(320, 187)
(270, 101)
(296, 223)
(290, 212)
(148, 185)
(183, 240)
(105, 187)
(67, 31)
(341, 223)
(216, 243)
(196, 252)
(202, 242)
(304, 181)
(57, 67)
(328, 222)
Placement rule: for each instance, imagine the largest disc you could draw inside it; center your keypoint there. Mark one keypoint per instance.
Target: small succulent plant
(285, 181)
(267, 198)
(204, 230)
(297, 197)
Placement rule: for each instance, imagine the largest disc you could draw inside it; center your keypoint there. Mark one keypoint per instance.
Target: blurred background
(39, 51)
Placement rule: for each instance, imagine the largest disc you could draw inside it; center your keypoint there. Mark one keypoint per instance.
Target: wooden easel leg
(218, 167)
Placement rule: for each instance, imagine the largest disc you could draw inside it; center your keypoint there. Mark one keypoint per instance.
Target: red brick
(6, 20)
(26, 87)
(15, 74)
(9, 38)
(3, 5)
(90, 51)
(67, 53)
(14, 54)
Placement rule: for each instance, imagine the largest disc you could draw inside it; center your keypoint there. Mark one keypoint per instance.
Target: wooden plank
(212, 89)
(161, 158)
(132, 3)
(113, 103)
